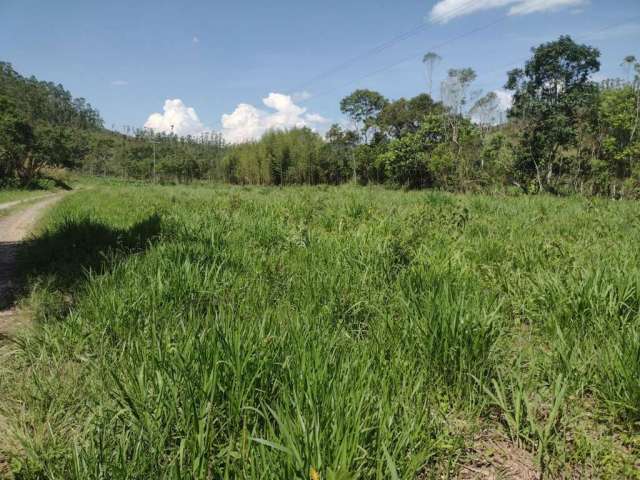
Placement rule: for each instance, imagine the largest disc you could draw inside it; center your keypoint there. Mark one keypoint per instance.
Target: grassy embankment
(357, 333)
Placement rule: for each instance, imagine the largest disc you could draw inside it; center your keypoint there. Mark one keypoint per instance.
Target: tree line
(39, 124)
(562, 133)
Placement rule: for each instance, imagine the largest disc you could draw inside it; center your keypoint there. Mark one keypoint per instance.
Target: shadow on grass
(63, 256)
(59, 183)
(42, 183)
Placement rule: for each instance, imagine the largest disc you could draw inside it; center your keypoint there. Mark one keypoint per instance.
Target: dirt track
(8, 205)
(14, 228)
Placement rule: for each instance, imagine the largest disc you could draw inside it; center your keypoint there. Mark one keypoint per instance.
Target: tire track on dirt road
(14, 229)
(8, 205)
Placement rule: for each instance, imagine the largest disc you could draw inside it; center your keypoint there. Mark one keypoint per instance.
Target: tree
(455, 94)
(420, 159)
(629, 63)
(618, 118)
(406, 162)
(40, 102)
(16, 142)
(362, 106)
(486, 111)
(429, 60)
(402, 116)
(635, 87)
(455, 89)
(339, 158)
(549, 95)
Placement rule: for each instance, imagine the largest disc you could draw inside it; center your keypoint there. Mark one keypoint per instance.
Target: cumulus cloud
(247, 122)
(176, 118)
(446, 10)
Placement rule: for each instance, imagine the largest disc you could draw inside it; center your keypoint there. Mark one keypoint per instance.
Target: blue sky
(225, 58)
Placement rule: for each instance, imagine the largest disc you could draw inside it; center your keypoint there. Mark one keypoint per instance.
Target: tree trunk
(538, 177)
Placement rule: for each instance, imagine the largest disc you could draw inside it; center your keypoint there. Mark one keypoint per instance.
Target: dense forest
(564, 133)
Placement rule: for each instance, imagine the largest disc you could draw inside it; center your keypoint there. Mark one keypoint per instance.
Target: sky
(245, 66)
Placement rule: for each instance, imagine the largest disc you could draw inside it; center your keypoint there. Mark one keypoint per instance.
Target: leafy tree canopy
(362, 106)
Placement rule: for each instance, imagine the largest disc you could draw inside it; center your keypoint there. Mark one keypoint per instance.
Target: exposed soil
(14, 228)
(8, 205)
(496, 458)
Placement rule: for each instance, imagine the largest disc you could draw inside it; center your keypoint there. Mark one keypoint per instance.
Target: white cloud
(177, 118)
(195, 39)
(119, 83)
(533, 6)
(247, 122)
(446, 10)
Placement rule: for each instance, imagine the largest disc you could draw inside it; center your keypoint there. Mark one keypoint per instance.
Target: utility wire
(411, 57)
(451, 40)
(582, 36)
(383, 46)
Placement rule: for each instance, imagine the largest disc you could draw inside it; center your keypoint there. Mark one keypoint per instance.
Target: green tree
(16, 142)
(618, 117)
(401, 117)
(362, 107)
(406, 162)
(420, 159)
(549, 94)
(338, 154)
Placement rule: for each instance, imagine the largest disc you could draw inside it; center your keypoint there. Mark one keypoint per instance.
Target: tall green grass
(352, 332)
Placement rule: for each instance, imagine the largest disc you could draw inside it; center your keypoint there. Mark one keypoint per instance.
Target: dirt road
(8, 205)
(14, 228)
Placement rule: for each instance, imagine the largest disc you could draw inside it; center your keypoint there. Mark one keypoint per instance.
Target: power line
(578, 37)
(383, 46)
(447, 42)
(411, 57)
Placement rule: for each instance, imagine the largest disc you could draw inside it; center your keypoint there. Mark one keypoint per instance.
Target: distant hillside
(41, 125)
(45, 102)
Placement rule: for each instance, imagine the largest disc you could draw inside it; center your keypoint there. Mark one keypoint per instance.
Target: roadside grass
(326, 332)
(13, 195)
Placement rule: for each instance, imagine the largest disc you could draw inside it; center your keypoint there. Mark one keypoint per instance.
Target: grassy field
(332, 333)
